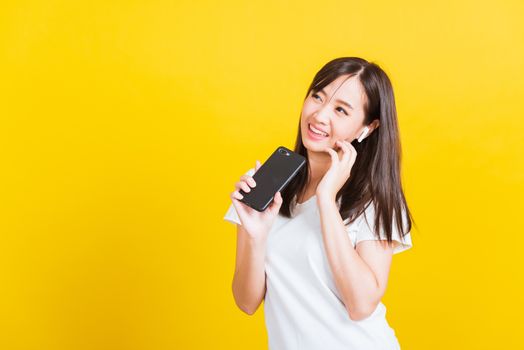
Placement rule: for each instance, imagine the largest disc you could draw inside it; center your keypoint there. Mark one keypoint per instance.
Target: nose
(322, 115)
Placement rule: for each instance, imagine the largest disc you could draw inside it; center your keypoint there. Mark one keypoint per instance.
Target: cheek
(307, 109)
(343, 131)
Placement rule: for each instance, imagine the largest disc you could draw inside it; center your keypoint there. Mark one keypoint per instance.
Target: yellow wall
(124, 125)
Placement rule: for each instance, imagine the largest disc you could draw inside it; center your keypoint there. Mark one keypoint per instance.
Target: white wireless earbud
(364, 133)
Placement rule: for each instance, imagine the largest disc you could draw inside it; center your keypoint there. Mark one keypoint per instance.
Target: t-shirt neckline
(311, 202)
(302, 207)
(307, 201)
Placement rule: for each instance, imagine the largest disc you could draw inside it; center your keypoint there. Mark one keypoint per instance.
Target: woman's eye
(315, 97)
(343, 110)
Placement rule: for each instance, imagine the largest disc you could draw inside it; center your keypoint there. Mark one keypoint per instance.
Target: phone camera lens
(283, 151)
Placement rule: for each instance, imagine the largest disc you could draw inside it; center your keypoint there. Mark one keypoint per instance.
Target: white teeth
(316, 131)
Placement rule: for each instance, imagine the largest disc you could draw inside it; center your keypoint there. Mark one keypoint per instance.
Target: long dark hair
(375, 175)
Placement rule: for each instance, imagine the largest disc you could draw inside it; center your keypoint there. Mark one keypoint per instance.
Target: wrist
(258, 240)
(325, 198)
(252, 238)
(325, 195)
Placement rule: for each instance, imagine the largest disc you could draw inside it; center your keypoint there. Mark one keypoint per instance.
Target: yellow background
(125, 124)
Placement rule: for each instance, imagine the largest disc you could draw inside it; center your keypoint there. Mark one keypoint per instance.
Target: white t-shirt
(302, 306)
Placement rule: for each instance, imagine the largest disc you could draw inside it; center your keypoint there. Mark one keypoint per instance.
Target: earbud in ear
(364, 133)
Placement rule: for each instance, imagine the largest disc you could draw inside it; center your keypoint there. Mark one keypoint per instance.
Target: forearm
(249, 281)
(353, 277)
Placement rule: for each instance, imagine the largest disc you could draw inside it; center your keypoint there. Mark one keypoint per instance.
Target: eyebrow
(339, 101)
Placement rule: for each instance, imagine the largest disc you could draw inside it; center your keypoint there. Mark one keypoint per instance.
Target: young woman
(319, 256)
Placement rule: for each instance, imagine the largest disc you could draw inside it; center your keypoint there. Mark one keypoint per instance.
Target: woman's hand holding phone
(257, 224)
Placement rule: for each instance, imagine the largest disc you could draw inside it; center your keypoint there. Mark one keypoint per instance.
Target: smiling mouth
(317, 132)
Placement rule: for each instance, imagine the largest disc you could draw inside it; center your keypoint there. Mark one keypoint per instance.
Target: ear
(373, 125)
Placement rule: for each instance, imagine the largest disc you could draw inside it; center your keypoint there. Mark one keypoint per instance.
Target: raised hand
(339, 171)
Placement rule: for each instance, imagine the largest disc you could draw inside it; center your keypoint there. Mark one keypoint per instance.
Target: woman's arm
(360, 274)
(249, 281)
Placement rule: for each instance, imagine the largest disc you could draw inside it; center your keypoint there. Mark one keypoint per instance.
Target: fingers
(236, 195)
(333, 154)
(349, 152)
(245, 183)
(345, 150)
(249, 180)
(277, 202)
(240, 208)
(235, 198)
(242, 185)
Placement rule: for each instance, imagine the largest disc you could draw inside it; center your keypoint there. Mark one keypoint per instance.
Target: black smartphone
(272, 177)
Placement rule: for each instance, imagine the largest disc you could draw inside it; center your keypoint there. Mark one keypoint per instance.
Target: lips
(317, 130)
(315, 137)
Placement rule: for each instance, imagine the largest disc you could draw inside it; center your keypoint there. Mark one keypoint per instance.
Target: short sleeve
(231, 214)
(363, 230)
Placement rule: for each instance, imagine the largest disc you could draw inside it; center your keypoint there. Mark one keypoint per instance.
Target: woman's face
(338, 110)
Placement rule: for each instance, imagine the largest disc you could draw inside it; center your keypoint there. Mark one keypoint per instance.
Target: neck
(318, 165)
